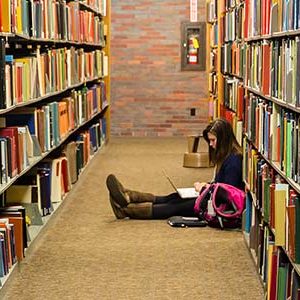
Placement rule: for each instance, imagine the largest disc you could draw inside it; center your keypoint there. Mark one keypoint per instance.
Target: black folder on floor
(179, 221)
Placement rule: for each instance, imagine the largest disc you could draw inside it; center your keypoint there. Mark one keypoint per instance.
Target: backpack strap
(202, 195)
(218, 209)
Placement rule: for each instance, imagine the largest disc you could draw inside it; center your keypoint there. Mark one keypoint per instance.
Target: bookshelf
(258, 91)
(54, 110)
(212, 62)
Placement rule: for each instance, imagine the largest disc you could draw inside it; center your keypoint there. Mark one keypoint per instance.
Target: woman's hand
(199, 185)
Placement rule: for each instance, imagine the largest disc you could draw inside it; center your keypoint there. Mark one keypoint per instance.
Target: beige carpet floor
(85, 253)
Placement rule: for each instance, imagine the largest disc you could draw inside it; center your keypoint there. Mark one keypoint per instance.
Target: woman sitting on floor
(224, 153)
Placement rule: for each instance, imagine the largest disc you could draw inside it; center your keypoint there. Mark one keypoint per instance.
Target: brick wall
(150, 95)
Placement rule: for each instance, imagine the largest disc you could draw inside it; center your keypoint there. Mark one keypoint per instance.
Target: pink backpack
(221, 205)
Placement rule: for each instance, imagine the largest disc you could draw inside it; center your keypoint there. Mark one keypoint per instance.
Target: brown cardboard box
(193, 158)
(196, 160)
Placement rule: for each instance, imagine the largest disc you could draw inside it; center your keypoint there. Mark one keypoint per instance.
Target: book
(29, 197)
(70, 153)
(295, 286)
(4, 253)
(282, 275)
(297, 230)
(5, 16)
(60, 178)
(291, 230)
(2, 74)
(280, 214)
(16, 218)
(23, 116)
(11, 134)
(44, 177)
(19, 211)
(9, 87)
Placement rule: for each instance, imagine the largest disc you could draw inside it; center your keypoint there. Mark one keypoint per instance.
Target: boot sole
(118, 196)
(119, 213)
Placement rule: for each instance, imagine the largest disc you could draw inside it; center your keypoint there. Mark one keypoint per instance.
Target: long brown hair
(226, 141)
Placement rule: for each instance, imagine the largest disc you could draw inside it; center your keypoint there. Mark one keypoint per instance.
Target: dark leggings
(173, 205)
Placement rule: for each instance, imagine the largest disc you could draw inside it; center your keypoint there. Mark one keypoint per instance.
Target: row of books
(272, 225)
(275, 132)
(271, 219)
(264, 17)
(13, 237)
(234, 93)
(230, 4)
(232, 63)
(213, 35)
(275, 200)
(233, 59)
(284, 280)
(30, 131)
(211, 11)
(212, 32)
(60, 172)
(233, 119)
(16, 150)
(28, 78)
(8, 255)
(33, 195)
(213, 83)
(51, 20)
(274, 69)
(259, 18)
(232, 24)
(280, 276)
(213, 60)
(98, 5)
(272, 65)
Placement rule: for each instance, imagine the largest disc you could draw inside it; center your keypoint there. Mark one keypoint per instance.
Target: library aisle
(85, 253)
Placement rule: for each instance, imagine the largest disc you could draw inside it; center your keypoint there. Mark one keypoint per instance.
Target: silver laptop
(184, 193)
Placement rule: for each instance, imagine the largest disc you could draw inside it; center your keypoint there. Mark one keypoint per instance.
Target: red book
(291, 214)
(266, 68)
(266, 11)
(19, 83)
(5, 227)
(273, 279)
(65, 175)
(272, 205)
(17, 220)
(246, 18)
(240, 102)
(12, 134)
(82, 26)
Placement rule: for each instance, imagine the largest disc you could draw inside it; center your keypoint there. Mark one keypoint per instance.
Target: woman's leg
(124, 195)
(165, 199)
(127, 203)
(174, 207)
(148, 207)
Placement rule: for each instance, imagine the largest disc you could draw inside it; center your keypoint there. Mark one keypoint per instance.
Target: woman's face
(212, 140)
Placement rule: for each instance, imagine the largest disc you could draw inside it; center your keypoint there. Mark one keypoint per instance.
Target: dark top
(231, 171)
